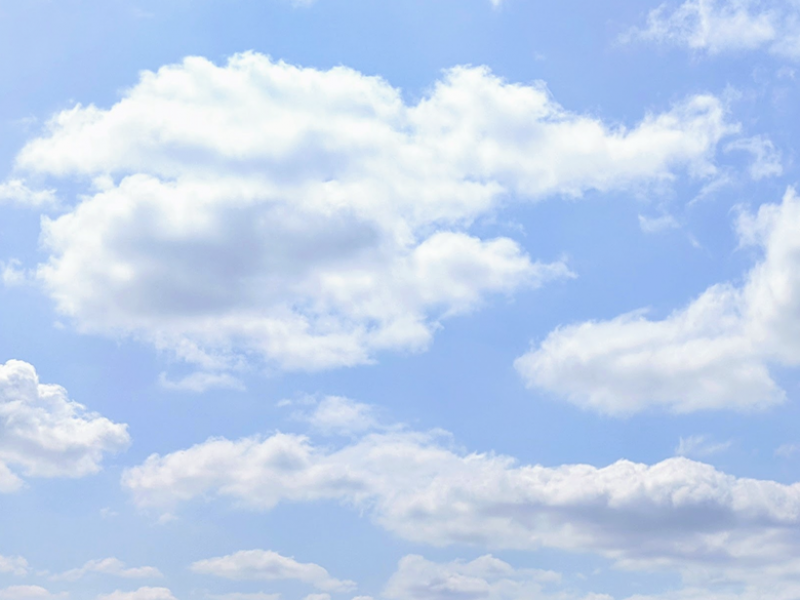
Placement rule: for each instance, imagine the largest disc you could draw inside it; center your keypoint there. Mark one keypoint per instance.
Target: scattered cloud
(724, 26)
(657, 224)
(678, 515)
(16, 191)
(200, 382)
(787, 450)
(109, 566)
(338, 415)
(14, 564)
(766, 158)
(45, 434)
(27, 592)
(143, 593)
(312, 219)
(713, 354)
(270, 566)
(700, 446)
(485, 578)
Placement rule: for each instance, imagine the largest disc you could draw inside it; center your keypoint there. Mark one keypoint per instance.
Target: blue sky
(454, 300)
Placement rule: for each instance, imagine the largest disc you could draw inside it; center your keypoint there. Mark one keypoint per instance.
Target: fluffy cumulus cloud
(265, 565)
(714, 353)
(717, 26)
(677, 515)
(45, 434)
(485, 578)
(143, 593)
(312, 219)
(109, 566)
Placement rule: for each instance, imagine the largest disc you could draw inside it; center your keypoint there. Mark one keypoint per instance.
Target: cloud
(339, 416)
(109, 566)
(266, 565)
(143, 593)
(485, 578)
(313, 219)
(713, 354)
(200, 382)
(721, 26)
(657, 224)
(45, 434)
(27, 592)
(700, 445)
(766, 158)
(243, 596)
(14, 564)
(15, 191)
(676, 515)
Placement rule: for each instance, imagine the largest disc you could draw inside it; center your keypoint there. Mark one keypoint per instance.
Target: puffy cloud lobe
(109, 566)
(718, 26)
(45, 434)
(485, 578)
(270, 566)
(714, 353)
(313, 218)
(677, 514)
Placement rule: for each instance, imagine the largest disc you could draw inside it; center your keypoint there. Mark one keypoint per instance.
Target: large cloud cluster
(314, 218)
(678, 514)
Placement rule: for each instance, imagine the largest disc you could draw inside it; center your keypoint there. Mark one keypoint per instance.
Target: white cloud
(313, 218)
(713, 354)
(45, 434)
(657, 224)
(766, 158)
(270, 566)
(485, 578)
(719, 26)
(787, 450)
(143, 593)
(11, 273)
(15, 191)
(27, 592)
(700, 445)
(244, 596)
(678, 514)
(200, 382)
(109, 566)
(14, 564)
(339, 415)
(317, 597)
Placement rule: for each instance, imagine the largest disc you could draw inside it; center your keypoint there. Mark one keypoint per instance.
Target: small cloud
(15, 191)
(201, 381)
(700, 445)
(12, 274)
(337, 415)
(766, 158)
(657, 224)
(108, 566)
(787, 450)
(14, 564)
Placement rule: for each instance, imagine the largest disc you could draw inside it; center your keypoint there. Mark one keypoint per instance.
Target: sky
(400, 300)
